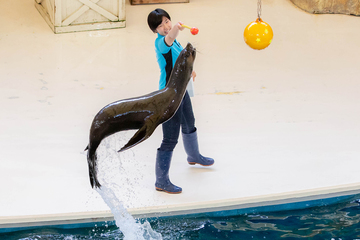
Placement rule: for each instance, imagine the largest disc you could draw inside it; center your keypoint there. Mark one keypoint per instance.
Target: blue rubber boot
(192, 149)
(163, 159)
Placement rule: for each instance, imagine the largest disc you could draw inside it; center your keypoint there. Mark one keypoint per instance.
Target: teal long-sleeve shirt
(166, 57)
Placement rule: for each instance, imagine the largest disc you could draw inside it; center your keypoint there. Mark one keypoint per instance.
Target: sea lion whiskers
(195, 48)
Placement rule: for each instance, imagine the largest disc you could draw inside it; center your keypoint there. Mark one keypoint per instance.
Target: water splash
(131, 229)
(111, 172)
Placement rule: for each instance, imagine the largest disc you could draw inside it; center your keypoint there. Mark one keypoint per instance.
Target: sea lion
(144, 113)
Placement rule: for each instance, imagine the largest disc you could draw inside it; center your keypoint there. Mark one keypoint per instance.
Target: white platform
(281, 123)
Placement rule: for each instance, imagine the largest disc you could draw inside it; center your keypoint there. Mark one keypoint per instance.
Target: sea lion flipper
(142, 134)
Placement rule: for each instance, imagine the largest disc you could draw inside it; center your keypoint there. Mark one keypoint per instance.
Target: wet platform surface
(282, 123)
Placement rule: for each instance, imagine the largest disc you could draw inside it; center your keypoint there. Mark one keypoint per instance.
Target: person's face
(164, 28)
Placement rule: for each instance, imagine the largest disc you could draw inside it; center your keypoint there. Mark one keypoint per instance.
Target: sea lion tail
(92, 158)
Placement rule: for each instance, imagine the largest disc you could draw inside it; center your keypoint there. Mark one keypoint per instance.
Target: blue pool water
(334, 222)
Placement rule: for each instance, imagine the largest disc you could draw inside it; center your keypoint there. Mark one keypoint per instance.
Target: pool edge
(227, 207)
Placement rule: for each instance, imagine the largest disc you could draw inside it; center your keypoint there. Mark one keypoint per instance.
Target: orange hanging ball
(258, 34)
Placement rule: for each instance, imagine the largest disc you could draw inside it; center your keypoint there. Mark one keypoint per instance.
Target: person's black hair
(155, 18)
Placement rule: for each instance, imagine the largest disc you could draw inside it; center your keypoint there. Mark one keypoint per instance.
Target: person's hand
(179, 25)
(193, 75)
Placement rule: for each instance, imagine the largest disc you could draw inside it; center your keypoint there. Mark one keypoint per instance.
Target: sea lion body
(144, 113)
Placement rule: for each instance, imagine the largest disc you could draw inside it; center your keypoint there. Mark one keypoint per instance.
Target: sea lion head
(186, 59)
(189, 53)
